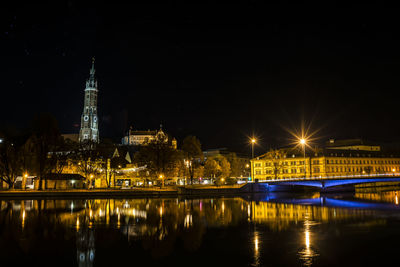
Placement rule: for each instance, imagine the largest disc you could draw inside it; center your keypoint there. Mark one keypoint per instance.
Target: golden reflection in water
(279, 216)
(307, 237)
(136, 217)
(389, 197)
(307, 254)
(256, 242)
(23, 220)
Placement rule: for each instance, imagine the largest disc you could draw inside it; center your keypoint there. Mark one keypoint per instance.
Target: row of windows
(282, 163)
(259, 172)
(336, 169)
(362, 169)
(362, 161)
(317, 162)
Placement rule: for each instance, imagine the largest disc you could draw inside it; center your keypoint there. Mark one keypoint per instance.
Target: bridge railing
(338, 177)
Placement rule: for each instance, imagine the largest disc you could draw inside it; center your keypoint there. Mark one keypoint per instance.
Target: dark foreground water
(361, 229)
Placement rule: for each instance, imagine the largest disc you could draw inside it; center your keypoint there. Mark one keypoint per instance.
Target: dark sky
(220, 72)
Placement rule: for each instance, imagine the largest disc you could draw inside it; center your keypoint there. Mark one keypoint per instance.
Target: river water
(359, 229)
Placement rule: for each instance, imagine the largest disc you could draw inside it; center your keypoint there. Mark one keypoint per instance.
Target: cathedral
(89, 121)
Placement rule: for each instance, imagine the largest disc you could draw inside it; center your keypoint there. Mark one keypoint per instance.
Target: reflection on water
(161, 226)
(386, 197)
(85, 246)
(308, 253)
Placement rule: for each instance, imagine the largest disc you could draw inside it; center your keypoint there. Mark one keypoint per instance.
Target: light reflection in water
(140, 219)
(307, 254)
(256, 242)
(387, 197)
(23, 219)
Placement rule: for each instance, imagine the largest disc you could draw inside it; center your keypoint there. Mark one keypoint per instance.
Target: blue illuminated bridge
(341, 183)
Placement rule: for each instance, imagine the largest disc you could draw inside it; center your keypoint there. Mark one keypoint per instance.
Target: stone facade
(89, 121)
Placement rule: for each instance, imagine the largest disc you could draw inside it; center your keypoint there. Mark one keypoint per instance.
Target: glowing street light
(303, 143)
(252, 141)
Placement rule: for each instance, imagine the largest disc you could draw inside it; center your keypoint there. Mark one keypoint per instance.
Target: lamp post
(162, 180)
(303, 143)
(252, 141)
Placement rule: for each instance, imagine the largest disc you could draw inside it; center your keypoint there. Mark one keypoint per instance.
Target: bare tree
(275, 157)
(193, 154)
(10, 162)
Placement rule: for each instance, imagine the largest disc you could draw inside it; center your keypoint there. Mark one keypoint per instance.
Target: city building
(139, 138)
(89, 121)
(335, 159)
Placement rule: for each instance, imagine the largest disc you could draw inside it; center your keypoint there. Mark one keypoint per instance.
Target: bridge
(325, 184)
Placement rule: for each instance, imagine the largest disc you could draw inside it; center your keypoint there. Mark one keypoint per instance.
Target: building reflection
(85, 246)
(386, 197)
(157, 223)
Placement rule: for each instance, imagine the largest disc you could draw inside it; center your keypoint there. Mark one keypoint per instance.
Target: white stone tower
(89, 120)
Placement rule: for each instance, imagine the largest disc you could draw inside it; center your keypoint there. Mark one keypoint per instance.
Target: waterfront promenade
(287, 185)
(136, 192)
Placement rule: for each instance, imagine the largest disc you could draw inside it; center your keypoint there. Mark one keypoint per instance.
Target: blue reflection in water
(329, 202)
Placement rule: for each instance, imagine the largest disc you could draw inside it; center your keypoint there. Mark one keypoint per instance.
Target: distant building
(336, 158)
(89, 121)
(140, 138)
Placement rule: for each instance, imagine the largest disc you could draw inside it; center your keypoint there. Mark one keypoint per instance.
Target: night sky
(219, 72)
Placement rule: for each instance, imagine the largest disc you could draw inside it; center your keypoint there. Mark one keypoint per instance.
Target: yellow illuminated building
(334, 160)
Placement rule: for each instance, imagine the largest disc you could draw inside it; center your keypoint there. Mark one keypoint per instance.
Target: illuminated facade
(336, 159)
(139, 138)
(89, 121)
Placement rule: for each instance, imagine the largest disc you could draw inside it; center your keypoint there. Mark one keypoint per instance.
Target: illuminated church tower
(89, 120)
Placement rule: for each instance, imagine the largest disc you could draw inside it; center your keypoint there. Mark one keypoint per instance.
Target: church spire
(91, 82)
(92, 71)
(89, 120)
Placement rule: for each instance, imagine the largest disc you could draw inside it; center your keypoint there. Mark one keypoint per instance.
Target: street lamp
(253, 141)
(303, 142)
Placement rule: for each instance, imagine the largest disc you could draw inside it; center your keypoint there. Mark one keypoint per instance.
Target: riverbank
(137, 192)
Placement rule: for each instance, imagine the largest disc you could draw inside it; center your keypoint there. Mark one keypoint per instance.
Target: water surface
(361, 229)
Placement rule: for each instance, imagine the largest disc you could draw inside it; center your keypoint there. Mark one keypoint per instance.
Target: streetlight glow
(303, 143)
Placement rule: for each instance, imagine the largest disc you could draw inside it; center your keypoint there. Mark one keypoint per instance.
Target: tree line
(41, 151)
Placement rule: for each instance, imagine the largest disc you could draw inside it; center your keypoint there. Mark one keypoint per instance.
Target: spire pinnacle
(92, 71)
